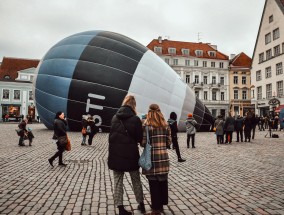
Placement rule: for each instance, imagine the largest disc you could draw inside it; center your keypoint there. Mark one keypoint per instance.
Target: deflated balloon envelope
(91, 73)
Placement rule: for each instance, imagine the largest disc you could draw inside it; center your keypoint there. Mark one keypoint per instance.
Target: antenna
(199, 36)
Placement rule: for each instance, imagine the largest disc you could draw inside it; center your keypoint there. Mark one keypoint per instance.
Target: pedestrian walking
(219, 125)
(84, 130)
(190, 124)
(254, 121)
(229, 127)
(248, 124)
(174, 130)
(239, 123)
(60, 135)
(92, 129)
(160, 138)
(125, 134)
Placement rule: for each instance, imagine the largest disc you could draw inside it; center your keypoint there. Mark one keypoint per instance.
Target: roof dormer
(185, 52)
(199, 53)
(212, 53)
(172, 51)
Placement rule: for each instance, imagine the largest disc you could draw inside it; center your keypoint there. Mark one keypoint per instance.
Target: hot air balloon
(91, 73)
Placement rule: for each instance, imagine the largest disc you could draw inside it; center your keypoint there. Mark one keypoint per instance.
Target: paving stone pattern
(239, 178)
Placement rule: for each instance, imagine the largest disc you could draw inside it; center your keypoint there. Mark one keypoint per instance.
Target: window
(268, 91)
(212, 54)
(167, 60)
(187, 79)
(204, 79)
(185, 51)
(279, 68)
(235, 73)
(196, 79)
(204, 63)
(261, 57)
(213, 79)
(236, 94)
(6, 94)
(244, 94)
(199, 53)
(276, 34)
(270, 18)
(157, 49)
(244, 80)
(31, 97)
(252, 93)
(214, 97)
(197, 94)
(276, 50)
(172, 51)
(268, 54)
(279, 86)
(222, 96)
(267, 38)
(175, 62)
(213, 64)
(235, 79)
(187, 62)
(259, 93)
(23, 77)
(268, 72)
(222, 80)
(195, 62)
(205, 95)
(258, 75)
(17, 95)
(221, 65)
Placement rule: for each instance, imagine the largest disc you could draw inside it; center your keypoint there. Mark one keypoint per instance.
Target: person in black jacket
(239, 123)
(125, 134)
(174, 130)
(60, 135)
(93, 129)
(25, 133)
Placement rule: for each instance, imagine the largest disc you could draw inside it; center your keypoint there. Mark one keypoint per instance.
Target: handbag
(214, 129)
(145, 159)
(84, 131)
(68, 145)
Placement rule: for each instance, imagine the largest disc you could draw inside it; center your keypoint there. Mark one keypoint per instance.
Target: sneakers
(122, 211)
(62, 164)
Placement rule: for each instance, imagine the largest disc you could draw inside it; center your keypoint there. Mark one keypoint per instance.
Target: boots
(154, 212)
(141, 207)
(122, 211)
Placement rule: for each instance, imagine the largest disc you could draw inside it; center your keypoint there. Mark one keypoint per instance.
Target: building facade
(202, 67)
(240, 83)
(268, 58)
(16, 95)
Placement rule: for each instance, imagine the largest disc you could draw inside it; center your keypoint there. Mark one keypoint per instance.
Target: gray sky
(30, 28)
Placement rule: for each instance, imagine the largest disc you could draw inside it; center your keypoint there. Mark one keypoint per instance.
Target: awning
(279, 108)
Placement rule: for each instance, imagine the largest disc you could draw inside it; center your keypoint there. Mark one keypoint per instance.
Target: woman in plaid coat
(160, 139)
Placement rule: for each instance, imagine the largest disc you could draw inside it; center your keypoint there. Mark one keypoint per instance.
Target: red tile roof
(11, 66)
(241, 60)
(178, 45)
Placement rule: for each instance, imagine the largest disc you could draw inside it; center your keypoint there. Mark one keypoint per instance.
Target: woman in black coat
(60, 135)
(125, 134)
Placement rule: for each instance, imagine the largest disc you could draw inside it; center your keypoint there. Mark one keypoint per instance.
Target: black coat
(123, 146)
(59, 127)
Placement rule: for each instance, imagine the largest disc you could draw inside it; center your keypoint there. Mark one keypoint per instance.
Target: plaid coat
(160, 138)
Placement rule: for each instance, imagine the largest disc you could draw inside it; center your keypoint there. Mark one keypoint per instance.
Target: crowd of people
(128, 132)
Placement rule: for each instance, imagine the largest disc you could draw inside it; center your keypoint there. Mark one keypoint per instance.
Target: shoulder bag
(145, 159)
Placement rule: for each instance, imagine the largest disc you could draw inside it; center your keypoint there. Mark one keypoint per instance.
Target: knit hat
(189, 115)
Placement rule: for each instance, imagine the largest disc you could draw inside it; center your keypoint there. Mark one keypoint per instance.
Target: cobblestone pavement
(239, 178)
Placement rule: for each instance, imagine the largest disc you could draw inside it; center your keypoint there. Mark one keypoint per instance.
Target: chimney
(160, 39)
(212, 46)
(232, 56)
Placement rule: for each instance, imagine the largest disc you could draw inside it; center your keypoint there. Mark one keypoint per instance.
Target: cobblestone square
(239, 178)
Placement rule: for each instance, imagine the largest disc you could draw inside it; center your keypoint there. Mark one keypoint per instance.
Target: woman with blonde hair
(125, 134)
(160, 140)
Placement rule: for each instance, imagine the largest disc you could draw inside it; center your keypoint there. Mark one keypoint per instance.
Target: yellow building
(239, 84)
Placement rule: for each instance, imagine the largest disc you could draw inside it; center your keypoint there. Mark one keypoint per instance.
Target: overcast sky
(30, 28)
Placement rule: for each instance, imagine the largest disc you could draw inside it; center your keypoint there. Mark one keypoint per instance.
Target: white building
(268, 58)
(202, 67)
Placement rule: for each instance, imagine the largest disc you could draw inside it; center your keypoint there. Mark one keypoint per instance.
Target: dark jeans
(176, 146)
(159, 193)
(229, 136)
(240, 133)
(247, 135)
(253, 131)
(90, 140)
(59, 154)
(220, 139)
(192, 140)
